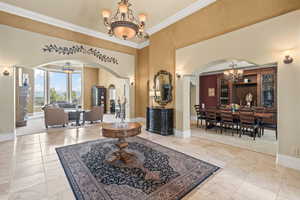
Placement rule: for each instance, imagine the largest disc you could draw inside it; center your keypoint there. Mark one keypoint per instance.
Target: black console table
(160, 120)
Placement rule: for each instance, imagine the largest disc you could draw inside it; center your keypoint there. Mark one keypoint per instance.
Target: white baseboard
(183, 134)
(7, 136)
(288, 161)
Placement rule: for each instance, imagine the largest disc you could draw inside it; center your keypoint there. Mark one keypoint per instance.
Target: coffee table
(121, 131)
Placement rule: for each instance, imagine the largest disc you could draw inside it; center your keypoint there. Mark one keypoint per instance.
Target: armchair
(55, 116)
(95, 114)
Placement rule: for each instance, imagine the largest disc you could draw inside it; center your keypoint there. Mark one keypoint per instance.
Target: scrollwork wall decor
(52, 48)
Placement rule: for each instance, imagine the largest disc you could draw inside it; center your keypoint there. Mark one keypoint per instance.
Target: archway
(186, 82)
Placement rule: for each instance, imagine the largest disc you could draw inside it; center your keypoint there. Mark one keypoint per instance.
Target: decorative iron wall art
(52, 48)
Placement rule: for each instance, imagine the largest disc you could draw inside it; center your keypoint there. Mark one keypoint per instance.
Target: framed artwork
(211, 92)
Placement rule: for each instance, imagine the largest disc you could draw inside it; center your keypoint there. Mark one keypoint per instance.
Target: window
(39, 89)
(52, 86)
(58, 86)
(76, 88)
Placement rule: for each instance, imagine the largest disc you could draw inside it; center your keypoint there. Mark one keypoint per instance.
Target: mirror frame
(156, 98)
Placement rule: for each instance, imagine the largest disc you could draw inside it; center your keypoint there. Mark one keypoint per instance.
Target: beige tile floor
(30, 169)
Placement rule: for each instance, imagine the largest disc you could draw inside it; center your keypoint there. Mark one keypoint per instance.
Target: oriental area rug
(157, 172)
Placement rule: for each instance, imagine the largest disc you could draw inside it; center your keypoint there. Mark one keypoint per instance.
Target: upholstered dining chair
(96, 114)
(200, 115)
(55, 116)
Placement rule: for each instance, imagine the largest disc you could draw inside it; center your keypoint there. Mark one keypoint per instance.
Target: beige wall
(7, 106)
(90, 79)
(261, 47)
(24, 48)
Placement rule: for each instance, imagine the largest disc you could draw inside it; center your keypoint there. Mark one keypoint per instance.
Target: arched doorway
(185, 91)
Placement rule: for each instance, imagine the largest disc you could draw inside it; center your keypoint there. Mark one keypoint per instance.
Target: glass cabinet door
(224, 92)
(268, 90)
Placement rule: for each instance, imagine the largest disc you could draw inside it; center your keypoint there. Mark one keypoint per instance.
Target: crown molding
(144, 44)
(72, 27)
(198, 5)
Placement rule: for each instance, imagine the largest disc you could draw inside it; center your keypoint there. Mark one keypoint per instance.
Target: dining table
(259, 116)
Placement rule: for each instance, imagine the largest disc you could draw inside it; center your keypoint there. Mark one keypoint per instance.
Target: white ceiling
(87, 13)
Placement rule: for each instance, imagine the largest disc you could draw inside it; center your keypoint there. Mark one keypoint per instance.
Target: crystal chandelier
(123, 24)
(233, 74)
(67, 68)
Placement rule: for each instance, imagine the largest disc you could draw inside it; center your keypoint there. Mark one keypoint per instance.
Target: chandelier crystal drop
(233, 74)
(123, 24)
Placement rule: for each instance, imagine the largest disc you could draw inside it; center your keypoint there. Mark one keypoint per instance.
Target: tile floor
(30, 169)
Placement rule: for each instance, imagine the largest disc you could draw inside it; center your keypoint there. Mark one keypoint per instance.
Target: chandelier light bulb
(123, 8)
(106, 14)
(142, 18)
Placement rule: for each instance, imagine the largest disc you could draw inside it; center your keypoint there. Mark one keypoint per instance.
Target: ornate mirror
(163, 88)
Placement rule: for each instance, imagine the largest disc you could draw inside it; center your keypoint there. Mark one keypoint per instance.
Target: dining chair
(200, 114)
(228, 121)
(211, 119)
(270, 123)
(248, 124)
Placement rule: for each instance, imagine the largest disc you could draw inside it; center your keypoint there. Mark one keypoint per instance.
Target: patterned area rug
(157, 172)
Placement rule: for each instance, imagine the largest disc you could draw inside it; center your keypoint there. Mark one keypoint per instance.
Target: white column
(183, 107)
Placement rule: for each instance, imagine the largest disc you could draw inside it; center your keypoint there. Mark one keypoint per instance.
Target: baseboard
(7, 136)
(183, 134)
(138, 119)
(288, 161)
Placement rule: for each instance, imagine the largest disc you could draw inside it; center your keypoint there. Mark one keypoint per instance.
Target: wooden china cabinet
(262, 83)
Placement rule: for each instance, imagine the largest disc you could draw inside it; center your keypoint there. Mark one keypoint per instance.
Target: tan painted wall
(260, 43)
(90, 79)
(142, 78)
(219, 18)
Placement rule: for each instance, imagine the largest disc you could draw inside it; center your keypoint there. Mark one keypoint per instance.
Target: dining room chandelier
(233, 74)
(123, 24)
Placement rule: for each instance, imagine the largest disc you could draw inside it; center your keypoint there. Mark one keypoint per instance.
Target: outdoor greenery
(55, 96)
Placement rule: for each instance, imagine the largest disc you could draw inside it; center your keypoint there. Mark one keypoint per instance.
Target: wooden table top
(115, 130)
(256, 114)
(120, 127)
